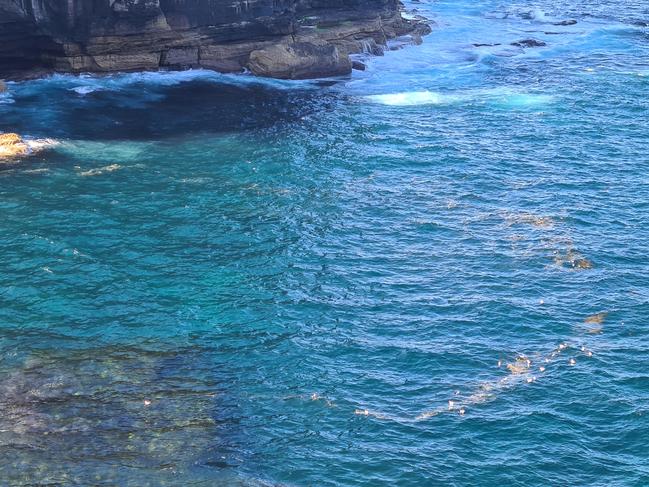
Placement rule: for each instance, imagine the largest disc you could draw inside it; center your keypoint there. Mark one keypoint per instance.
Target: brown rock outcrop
(11, 146)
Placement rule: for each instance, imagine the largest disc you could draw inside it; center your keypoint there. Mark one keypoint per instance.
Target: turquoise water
(217, 280)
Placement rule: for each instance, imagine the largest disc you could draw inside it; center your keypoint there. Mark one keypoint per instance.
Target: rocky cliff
(278, 38)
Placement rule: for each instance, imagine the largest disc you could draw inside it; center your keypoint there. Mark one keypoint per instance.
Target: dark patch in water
(61, 414)
(144, 111)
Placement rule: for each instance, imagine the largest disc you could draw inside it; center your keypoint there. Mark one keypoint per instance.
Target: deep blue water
(217, 280)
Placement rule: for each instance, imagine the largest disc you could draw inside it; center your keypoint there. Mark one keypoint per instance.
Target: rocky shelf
(289, 39)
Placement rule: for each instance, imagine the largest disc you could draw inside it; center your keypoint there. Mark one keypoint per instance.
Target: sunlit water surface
(433, 273)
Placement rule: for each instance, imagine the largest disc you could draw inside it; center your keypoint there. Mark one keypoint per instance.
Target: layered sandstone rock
(279, 38)
(299, 60)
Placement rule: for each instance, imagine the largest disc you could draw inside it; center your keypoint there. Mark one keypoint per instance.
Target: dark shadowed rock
(358, 65)
(528, 43)
(565, 22)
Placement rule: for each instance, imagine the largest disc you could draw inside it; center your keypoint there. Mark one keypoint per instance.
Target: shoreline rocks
(295, 39)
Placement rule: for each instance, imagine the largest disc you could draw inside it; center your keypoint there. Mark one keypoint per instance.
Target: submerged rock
(582, 263)
(104, 404)
(565, 22)
(573, 260)
(12, 145)
(595, 323)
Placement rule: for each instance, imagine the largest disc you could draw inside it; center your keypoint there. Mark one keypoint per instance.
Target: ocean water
(432, 273)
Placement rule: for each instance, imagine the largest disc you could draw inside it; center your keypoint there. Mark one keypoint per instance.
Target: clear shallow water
(217, 280)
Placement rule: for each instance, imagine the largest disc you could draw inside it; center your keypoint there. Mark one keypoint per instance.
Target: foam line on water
(85, 84)
(6, 98)
(498, 97)
(411, 98)
(524, 369)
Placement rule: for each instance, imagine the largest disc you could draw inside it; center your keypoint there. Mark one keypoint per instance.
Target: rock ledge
(275, 38)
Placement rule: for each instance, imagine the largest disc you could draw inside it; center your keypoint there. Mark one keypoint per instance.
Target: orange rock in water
(520, 366)
(10, 138)
(597, 318)
(582, 264)
(12, 145)
(596, 321)
(573, 260)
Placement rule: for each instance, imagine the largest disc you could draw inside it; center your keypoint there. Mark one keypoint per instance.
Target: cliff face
(280, 38)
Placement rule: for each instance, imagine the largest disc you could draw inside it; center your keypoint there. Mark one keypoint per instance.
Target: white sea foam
(525, 100)
(539, 15)
(88, 83)
(6, 98)
(100, 170)
(498, 97)
(37, 145)
(411, 98)
(84, 90)
(409, 15)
